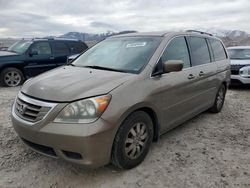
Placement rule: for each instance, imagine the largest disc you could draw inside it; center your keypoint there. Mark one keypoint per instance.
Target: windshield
(20, 47)
(239, 53)
(125, 54)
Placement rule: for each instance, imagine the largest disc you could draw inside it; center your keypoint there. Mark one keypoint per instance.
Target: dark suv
(28, 58)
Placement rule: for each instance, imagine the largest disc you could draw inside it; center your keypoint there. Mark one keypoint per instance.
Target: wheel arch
(11, 66)
(15, 64)
(225, 83)
(151, 111)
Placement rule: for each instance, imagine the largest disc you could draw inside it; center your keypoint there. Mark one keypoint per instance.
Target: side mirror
(33, 52)
(172, 66)
(71, 58)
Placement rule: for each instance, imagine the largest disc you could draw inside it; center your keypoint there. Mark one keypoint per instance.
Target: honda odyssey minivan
(114, 100)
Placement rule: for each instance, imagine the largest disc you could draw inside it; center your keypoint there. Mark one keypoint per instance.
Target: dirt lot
(211, 150)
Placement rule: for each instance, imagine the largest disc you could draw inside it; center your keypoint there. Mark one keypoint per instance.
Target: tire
(136, 131)
(219, 100)
(11, 77)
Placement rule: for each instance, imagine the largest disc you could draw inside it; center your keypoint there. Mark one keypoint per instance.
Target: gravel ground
(211, 150)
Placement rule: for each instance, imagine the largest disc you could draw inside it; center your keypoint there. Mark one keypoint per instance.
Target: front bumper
(240, 79)
(86, 144)
(240, 74)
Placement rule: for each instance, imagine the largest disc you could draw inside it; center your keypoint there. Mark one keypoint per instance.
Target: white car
(240, 64)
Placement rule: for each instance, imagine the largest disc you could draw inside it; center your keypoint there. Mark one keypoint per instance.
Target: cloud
(103, 25)
(45, 17)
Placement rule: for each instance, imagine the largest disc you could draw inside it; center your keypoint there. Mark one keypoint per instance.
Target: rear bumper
(239, 79)
(86, 144)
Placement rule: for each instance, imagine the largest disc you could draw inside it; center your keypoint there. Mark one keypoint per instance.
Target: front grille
(30, 112)
(235, 72)
(235, 69)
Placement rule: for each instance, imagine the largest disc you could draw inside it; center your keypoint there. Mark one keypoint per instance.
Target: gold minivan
(115, 99)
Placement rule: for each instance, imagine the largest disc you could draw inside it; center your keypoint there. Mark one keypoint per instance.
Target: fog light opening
(72, 155)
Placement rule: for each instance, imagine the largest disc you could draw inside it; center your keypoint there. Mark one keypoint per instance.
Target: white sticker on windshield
(135, 45)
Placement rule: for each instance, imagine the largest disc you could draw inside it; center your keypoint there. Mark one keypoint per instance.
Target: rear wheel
(219, 100)
(132, 141)
(11, 77)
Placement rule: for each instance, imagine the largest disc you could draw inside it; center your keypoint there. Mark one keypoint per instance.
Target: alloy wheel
(136, 140)
(12, 78)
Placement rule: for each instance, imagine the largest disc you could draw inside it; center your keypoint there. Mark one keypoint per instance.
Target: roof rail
(201, 32)
(54, 38)
(61, 38)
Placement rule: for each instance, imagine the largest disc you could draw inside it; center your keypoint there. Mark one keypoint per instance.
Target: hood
(10, 56)
(240, 62)
(66, 84)
(6, 53)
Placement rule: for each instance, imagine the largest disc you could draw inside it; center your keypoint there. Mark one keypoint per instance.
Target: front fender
(118, 117)
(16, 64)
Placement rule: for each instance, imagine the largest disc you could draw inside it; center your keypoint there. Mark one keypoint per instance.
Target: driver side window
(42, 48)
(177, 50)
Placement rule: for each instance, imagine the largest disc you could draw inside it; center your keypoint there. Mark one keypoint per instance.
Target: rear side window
(199, 51)
(60, 48)
(77, 47)
(177, 50)
(218, 50)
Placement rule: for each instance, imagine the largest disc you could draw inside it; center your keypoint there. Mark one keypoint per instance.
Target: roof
(157, 33)
(239, 47)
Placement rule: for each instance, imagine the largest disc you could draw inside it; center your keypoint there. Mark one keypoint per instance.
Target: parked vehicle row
(110, 103)
(28, 58)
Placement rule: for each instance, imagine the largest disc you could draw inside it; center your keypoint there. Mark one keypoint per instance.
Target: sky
(37, 18)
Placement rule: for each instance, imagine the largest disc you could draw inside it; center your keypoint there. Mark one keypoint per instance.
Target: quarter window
(199, 50)
(177, 50)
(77, 47)
(42, 48)
(218, 50)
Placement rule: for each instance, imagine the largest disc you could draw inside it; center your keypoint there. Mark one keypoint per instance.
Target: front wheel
(132, 141)
(219, 100)
(11, 77)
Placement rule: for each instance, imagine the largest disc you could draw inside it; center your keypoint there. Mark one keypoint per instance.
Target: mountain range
(229, 37)
(90, 36)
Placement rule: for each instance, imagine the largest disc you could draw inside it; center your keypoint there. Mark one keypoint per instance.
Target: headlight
(245, 71)
(84, 111)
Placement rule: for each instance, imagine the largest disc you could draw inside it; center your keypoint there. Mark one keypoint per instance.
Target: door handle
(201, 73)
(52, 57)
(191, 76)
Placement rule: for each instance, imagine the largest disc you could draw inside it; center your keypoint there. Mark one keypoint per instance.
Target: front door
(177, 94)
(39, 59)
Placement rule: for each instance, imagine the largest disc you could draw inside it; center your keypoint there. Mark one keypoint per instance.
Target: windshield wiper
(104, 68)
